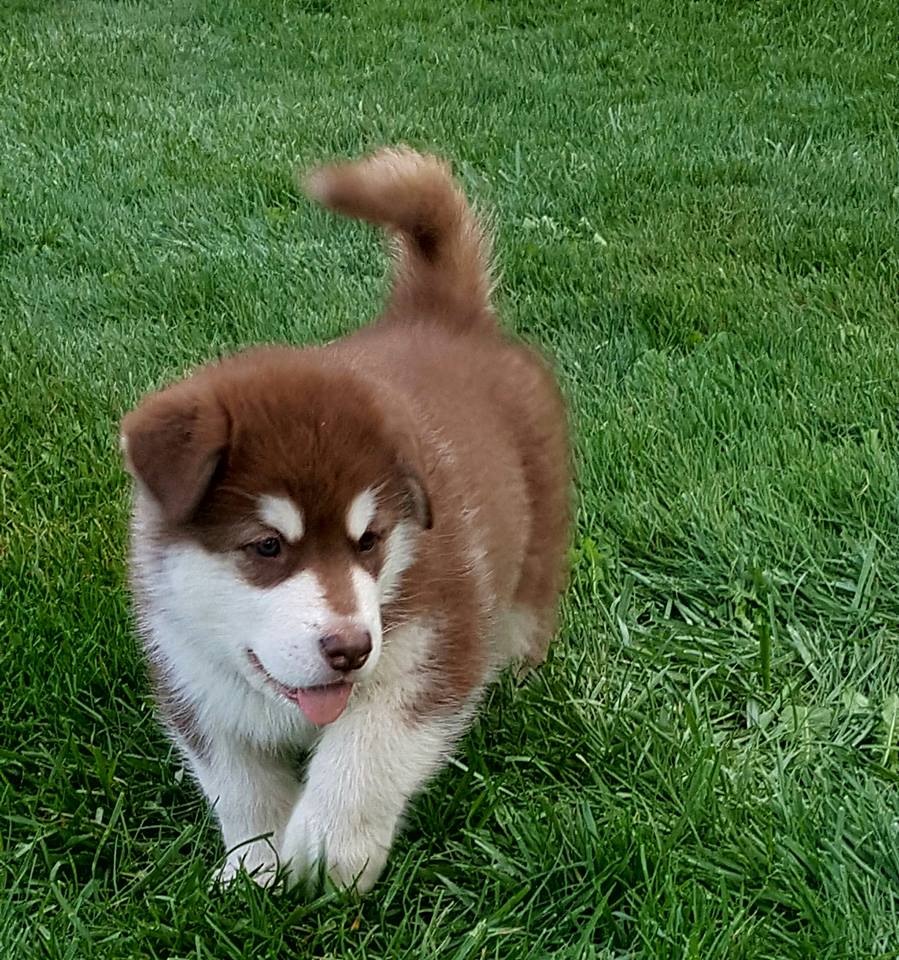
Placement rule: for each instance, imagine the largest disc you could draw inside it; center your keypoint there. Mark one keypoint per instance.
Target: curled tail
(442, 267)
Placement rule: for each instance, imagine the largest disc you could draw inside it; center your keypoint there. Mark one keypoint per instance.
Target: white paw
(257, 859)
(353, 854)
(357, 861)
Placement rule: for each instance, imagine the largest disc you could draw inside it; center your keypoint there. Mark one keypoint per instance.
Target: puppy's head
(287, 499)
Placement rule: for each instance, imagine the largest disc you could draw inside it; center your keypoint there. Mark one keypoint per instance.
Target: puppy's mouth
(322, 704)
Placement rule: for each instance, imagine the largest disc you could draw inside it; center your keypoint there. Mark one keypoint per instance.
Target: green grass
(698, 209)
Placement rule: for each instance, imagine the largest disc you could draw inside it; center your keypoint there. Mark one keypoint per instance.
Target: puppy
(335, 549)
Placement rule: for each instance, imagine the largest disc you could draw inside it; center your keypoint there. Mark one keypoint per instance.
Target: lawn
(698, 216)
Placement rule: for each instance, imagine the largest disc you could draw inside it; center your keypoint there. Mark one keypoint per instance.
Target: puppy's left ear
(419, 499)
(401, 432)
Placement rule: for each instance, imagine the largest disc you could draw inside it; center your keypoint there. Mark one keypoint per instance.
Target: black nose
(346, 650)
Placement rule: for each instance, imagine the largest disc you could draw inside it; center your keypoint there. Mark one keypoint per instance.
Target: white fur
(283, 515)
(368, 765)
(399, 552)
(368, 607)
(253, 794)
(360, 514)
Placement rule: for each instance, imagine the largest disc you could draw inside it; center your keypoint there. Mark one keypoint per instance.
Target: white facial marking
(283, 515)
(226, 616)
(212, 617)
(361, 513)
(368, 611)
(398, 555)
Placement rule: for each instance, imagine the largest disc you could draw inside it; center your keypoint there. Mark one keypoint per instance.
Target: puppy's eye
(268, 548)
(367, 541)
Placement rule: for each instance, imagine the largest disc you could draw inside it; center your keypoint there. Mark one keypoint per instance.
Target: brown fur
(460, 427)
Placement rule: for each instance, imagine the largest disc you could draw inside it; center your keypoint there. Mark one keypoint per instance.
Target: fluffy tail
(442, 265)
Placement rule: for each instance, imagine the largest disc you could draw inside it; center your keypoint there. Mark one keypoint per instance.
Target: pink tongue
(324, 704)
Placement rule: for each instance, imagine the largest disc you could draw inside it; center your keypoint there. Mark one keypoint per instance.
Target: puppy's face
(288, 505)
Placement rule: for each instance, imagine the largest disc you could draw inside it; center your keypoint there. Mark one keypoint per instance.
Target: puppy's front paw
(258, 860)
(357, 861)
(353, 855)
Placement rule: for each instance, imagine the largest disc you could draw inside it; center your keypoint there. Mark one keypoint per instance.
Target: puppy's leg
(252, 794)
(366, 767)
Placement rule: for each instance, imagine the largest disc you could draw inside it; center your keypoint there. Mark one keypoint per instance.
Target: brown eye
(367, 541)
(268, 548)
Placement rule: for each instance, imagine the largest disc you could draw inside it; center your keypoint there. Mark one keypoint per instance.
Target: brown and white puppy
(336, 548)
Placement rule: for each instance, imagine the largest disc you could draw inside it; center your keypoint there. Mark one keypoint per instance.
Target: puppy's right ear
(172, 444)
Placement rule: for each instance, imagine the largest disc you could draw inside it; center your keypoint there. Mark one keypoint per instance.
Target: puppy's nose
(346, 649)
